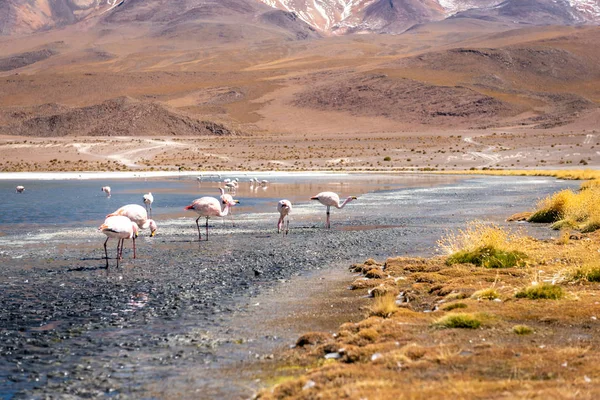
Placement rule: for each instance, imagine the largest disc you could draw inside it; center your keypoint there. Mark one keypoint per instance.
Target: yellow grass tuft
(476, 235)
(486, 294)
(384, 306)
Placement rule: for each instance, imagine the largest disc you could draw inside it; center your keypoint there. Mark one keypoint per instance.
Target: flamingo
(20, 189)
(106, 189)
(208, 207)
(331, 199)
(284, 207)
(226, 198)
(121, 228)
(137, 214)
(148, 200)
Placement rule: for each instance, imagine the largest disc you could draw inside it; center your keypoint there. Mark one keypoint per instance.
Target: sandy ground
(510, 148)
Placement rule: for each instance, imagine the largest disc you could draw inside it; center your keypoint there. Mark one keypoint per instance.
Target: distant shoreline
(4, 176)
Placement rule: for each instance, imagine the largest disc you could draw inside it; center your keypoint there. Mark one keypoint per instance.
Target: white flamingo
(207, 207)
(20, 189)
(137, 214)
(148, 200)
(226, 198)
(284, 207)
(330, 199)
(106, 189)
(120, 228)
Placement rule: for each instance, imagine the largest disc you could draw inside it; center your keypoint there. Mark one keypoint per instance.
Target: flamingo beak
(236, 202)
(153, 233)
(354, 197)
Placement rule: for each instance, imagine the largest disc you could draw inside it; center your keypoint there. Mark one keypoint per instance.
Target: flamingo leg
(106, 252)
(287, 227)
(232, 219)
(198, 225)
(207, 229)
(118, 251)
(134, 246)
(327, 224)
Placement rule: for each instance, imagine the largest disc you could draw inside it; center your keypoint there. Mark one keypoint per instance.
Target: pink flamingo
(137, 214)
(226, 198)
(20, 189)
(121, 228)
(284, 207)
(148, 200)
(208, 207)
(331, 199)
(106, 189)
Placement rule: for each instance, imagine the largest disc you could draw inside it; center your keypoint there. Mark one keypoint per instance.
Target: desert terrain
(124, 93)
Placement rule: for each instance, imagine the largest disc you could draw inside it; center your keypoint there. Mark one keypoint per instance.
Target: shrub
(522, 329)
(454, 306)
(544, 291)
(459, 320)
(486, 294)
(552, 208)
(590, 273)
(488, 257)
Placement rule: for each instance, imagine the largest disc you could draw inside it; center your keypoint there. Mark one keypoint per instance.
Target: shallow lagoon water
(184, 306)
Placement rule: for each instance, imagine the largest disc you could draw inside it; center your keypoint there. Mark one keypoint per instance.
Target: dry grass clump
(459, 320)
(553, 207)
(543, 291)
(522, 329)
(567, 209)
(588, 272)
(482, 244)
(486, 294)
(384, 306)
(454, 306)
(312, 338)
(384, 290)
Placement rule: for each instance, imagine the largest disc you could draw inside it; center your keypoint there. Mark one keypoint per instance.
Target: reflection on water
(71, 202)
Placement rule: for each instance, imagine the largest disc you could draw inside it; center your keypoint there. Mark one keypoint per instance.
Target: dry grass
(483, 244)
(568, 209)
(459, 320)
(544, 291)
(521, 348)
(486, 294)
(384, 306)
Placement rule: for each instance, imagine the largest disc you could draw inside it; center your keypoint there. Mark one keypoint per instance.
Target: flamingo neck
(225, 211)
(344, 203)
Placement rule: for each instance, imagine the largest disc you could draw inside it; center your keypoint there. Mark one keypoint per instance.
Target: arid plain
(452, 95)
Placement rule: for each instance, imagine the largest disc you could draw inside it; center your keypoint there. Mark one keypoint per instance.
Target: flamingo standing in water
(106, 189)
(20, 189)
(226, 198)
(284, 207)
(121, 228)
(148, 200)
(330, 199)
(208, 207)
(137, 214)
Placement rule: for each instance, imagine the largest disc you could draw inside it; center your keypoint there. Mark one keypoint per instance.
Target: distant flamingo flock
(125, 222)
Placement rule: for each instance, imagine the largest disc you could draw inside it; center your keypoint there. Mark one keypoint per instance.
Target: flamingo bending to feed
(148, 200)
(284, 207)
(226, 198)
(106, 189)
(121, 228)
(137, 214)
(330, 199)
(208, 207)
(20, 189)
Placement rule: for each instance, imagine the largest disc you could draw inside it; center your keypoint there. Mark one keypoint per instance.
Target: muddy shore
(72, 328)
